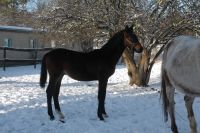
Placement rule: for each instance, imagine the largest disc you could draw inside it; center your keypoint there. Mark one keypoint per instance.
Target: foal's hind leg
(51, 89)
(56, 101)
(188, 103)
(49, 92)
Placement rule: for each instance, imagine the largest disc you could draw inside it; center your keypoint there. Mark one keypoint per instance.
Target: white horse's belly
(185, 81)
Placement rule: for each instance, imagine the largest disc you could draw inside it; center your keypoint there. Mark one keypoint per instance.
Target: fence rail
(34, 60)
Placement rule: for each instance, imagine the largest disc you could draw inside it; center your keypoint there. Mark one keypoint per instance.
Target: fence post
(35, 57)
(4, 58)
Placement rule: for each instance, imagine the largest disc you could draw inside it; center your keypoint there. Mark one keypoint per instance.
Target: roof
(16, 28)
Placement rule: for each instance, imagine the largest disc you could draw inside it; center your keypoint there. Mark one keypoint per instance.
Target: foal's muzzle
(137, 47)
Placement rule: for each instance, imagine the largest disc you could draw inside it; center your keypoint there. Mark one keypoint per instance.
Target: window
(32, 43)
(7, 42)
(53, 44)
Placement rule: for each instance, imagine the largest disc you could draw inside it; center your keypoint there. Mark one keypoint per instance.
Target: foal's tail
(43, 73)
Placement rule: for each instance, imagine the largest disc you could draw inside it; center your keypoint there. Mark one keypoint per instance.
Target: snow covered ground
(130, 109)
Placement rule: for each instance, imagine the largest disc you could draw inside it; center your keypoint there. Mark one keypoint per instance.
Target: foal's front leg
(101, 97)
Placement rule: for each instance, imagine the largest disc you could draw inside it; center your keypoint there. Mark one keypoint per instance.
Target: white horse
(181, 71)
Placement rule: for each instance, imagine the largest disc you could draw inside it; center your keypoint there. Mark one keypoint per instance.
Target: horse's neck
(114, 48)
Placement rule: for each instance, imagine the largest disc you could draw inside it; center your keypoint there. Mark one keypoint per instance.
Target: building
(20, 37)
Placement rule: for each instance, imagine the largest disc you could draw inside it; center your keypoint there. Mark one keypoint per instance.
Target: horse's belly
(184, 74)
(189, 83)
(81, 76)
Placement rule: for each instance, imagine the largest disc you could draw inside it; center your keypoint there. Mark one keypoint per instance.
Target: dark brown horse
(95, 65)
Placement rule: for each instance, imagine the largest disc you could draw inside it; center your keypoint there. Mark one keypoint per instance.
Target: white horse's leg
(170, 94)
(188, 103)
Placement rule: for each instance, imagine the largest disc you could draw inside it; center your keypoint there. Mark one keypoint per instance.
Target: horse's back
(181, 63)
(77, 65)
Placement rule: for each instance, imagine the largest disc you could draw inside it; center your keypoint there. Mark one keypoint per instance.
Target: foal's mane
(114, 40)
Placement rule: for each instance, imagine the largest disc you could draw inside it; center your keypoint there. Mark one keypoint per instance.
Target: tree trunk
(143, 67)
(138, 73)
(133, 73)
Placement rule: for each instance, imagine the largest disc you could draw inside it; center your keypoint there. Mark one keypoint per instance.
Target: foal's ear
(126, 28)
(131, 28)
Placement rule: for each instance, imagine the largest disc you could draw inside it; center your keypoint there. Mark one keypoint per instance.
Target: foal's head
(131, 40)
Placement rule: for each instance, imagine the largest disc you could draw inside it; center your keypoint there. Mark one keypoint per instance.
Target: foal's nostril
(141, 49)
(138, 47)
(138, 50)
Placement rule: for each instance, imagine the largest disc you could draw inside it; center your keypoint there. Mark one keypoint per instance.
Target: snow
(131, 109)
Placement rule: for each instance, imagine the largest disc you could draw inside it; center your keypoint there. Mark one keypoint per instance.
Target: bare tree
(155, 22)
(14, 12)
(163, 20)
(93, 19)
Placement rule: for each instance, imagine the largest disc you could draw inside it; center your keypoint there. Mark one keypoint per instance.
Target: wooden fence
(34, 60)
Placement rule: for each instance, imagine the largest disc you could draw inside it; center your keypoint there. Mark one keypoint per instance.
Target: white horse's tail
(163, 95)
(164, 82)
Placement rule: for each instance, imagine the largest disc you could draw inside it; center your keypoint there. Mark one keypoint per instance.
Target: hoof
(101, 117)
(105, 115)
(62, 120)
(52, 118)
